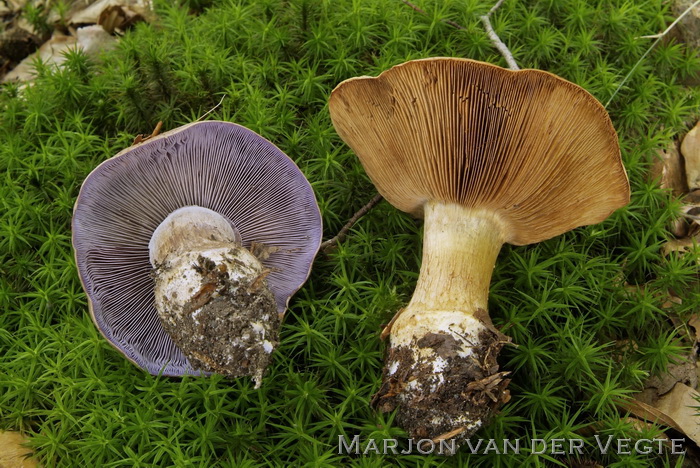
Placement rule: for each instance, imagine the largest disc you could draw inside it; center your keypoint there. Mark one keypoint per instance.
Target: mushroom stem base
(218, 308)
(445, 384)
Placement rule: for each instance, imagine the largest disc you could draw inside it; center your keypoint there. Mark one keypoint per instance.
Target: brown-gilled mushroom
(486, 156)
(173, 214)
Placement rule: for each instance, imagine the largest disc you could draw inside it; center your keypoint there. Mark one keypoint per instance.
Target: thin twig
(495, 7)
(212, 109)
(449, 435)
(497, 42)
(657, 36)
(330, 243)
(486, 20)
(658, 39)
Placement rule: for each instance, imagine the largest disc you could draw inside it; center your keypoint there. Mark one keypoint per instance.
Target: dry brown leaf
(91, 14)
(129, 8)
(51, 52)
(671, 299)
(119, 18)
(650, 413)
(12, 453)
(16, 5)
(689, 26)
(695, 323)
(678, 245)
(91, 39)
(22, 22)
(679, 227)
(623, 347)
(692, 208)
(8, 7)
(690, 148)
(679, 404)
(685, 373)
(692, 215)
(675, 409)
(668, 170)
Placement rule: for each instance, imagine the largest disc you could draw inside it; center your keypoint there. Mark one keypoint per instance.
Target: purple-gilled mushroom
(190, 245)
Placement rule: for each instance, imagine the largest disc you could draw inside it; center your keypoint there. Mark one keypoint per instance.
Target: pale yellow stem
(460, 247)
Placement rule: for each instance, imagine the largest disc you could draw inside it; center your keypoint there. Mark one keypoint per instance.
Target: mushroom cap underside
(538, 150)
(217, 165)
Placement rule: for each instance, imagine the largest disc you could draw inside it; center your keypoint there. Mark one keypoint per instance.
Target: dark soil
(16, 44)
(220, 328)
(456, 407)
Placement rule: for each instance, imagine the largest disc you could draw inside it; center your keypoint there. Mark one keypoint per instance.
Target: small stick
(449, 435)
(658, 36)
(495, 40)
(330, 243)
(658, 39)
(486, 20)
(212, 109)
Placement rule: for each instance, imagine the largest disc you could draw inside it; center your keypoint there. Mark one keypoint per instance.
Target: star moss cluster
(585, 307)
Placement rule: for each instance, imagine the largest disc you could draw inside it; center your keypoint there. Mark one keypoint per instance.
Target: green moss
(564, 301)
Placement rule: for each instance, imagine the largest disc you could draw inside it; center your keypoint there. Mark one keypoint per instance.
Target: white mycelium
(197, 258)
